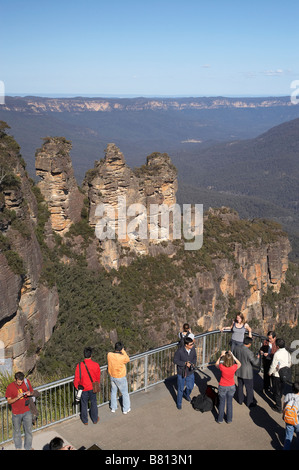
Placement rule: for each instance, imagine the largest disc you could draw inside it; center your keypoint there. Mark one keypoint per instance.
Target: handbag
(95, 383)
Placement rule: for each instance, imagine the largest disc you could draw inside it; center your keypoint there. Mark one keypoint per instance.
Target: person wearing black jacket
(184, 358)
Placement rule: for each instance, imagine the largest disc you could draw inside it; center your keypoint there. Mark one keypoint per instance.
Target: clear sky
(146, 48)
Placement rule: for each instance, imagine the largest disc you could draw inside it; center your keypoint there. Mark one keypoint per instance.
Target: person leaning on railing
(238, 328)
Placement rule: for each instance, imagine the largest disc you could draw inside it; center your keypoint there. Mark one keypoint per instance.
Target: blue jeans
(226, 396)
(120, 384)
(17, 421)
(290, 429)
(181, 381)
(85, 397)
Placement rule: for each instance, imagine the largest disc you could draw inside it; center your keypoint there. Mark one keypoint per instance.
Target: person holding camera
(17, 395)
(185, 359)
(117, 361)
(228, 365)
(88, 373)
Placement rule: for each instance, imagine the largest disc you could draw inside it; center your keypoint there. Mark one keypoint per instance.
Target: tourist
(245, 373)
(58, 444)
(267, 352)
(238, 328)
(17, 395)
(185, 358)
(291, 428)
(228, 365)
(87, 373)
(117, 361)
(281, 358)
(186, 333)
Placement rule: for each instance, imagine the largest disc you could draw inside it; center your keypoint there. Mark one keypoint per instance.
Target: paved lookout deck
(154, 423)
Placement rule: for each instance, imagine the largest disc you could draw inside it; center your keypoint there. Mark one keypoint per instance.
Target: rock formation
(58, 184)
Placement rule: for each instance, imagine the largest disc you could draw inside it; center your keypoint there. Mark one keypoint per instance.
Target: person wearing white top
(186, 333)
(281, 358)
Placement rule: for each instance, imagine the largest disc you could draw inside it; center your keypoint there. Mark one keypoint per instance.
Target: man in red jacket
(87, 372)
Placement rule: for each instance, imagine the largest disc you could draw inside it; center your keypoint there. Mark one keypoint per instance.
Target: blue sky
(155, 48)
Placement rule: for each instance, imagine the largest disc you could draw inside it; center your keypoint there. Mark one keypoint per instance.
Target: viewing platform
(155, 423)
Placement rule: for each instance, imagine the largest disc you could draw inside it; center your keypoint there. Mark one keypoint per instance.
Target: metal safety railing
(57, 399)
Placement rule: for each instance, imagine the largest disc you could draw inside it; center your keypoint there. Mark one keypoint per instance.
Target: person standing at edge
(117, 361)
(184, 357)
(238, 329)
(87, 372)
(245, 372)
(185, 333)
(17, 396)
(281, 358)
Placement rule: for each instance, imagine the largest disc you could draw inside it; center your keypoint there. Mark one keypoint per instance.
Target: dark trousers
(267, 378)
(248, 384)
(85, 398)
(278, 387)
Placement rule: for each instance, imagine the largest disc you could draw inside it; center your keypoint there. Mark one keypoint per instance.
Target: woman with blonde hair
(228, 365)
(238, 329)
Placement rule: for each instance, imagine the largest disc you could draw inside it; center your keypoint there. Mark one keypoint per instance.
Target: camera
(194, 367)
(79, 393)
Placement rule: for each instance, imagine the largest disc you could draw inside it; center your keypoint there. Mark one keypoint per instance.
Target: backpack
(181, 340)
(285, 374)
(202, 403)
(290, 413)
(212, 392)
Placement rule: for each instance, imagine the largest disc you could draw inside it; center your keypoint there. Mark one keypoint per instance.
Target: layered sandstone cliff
(28, 309)
(37, 105)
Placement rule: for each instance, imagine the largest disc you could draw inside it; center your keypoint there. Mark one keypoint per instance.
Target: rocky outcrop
(130, 194)
(58, 184)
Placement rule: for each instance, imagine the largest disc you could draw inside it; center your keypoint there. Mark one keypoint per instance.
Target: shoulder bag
(95, 383)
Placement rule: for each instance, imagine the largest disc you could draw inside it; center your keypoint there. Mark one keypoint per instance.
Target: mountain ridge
(80, 104)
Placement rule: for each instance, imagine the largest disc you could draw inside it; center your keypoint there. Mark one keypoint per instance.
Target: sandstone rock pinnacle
(58, 185)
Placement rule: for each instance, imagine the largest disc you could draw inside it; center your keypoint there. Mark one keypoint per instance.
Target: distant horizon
(123, 96)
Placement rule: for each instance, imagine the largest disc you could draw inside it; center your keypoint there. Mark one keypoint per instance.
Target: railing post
(145, 372)
(204, 351)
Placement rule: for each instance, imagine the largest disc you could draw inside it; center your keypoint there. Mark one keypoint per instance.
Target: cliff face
(36, 105)
(28, 309)
(212, 287)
